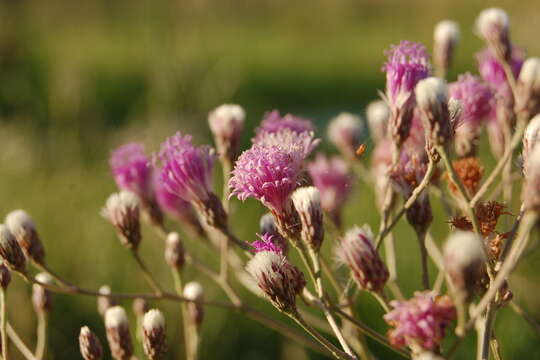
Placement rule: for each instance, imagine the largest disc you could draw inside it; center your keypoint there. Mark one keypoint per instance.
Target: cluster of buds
(356, 250)
(226, 123)
(528, 88)
(42, 299)
(175, 255)
(377, 114)
(10, 251)
(446, 36)
(154, 338)
(89, 345)
(493, 26)
(118, 336)
(194, 292)
(280, 281)
(307, 202)
(345, 132)
(22, 227)
(122, 211)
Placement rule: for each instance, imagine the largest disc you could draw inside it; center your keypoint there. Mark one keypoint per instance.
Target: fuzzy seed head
(10, 251)
(122, 211)
(118, 336)
(154, 339)
(307, 202)
(42, 299)
(492, 23)
(377, 114)
(22, 227)
(194, 291)
(345, 132)
(89, 344)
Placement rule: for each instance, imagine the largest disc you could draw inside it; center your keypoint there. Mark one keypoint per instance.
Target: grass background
(79, 78)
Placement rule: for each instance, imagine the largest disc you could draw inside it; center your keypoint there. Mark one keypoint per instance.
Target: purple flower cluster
(420, 321)
(266, 242)
(273, 122)
(493, 73)
(131, 170)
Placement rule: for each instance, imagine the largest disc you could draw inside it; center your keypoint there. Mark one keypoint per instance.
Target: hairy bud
(464, 256)
(432, 101)
(89, 344)
(22, 227)
(446, 36)
(122, 211)
(226, 123)
(118, 336)
(307, 203)
(345, 132)
(528, 88)
(493, 26)
(194, 292)
(174, 251)
(42, 299)
(5, 276)
(377, 114)
(105, 302)
(10, 250)
(154, 339)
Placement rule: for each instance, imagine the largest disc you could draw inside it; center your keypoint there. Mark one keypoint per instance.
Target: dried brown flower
(470, 173)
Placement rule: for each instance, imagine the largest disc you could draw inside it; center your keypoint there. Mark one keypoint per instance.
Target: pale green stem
(41, 346)
(3, 324)
(19, 344)
(146, 273)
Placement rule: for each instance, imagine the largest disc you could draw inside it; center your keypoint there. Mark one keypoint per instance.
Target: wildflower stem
(421, 235)
(41, 346)
(146, 273)
(527, 317)
(3, 324)
(19, 344)
(179, 287)
(381, 298)
(487, 333)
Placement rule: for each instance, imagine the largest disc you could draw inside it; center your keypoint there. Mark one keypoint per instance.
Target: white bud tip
(44, 278)
(530, 72)
(446, 31)
(173, 237)
(356, 231)
(492, 17)
(5, 235)
(18, 219)
(431, 91)
(305, 198)
(226, 114)
(464, 248)
(116, 317)
(153, 319)
(377, 111)
(121, 200)
(105, 289)
(193, 291)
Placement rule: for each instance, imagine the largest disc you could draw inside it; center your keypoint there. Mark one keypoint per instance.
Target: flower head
(22, 227)
(266, 242)
(492, 71)
(226, 123)
(277, 278)
(273, 122)
(105, 302)
(89, 344)
(186, 169)
(296, 144)
(174, 251)
(118, 336)
(153, 330)
(493, 25)
(5, 276)
(131, 169)
(420, 321)
(356, 250)
(122, 211)
(432, 101)
(42, 299)
(345, 132)
(307, 202)
(268, 227)
(10, 250)
(446, 36)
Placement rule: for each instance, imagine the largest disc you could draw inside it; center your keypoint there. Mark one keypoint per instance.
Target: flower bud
(446, 36)
(5, 276)
(89, 344)
(357, 252)
(226, 123)
(122, 211)
(345, 132)
(10, 250)
(118, 336)
(464, 256)
(174, 251)
(277, 278)
(42, 298)
(105, 302)
(432, 101)
(531, 138)
(531, 188)
(154, 339)
(140, 307)
(377, 114)
(528, 88)
(194, 292)
(307, 203)
(22, 227)
(493, 26)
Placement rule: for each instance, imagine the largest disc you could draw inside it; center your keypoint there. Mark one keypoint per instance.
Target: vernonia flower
(21, 225)
(277, 278)
(334, 180)
(407, 64)
(421, 321)
(528, 88)
(492, 71)
(118, 336)
(307, 202)
(446, 36)
(377, 113)
(89, 345)
(266, 242)
(531, 139)
(345, 132)
(476, 103)
(493, 25)
(122, 211)
(226, 123)
(153, 330)
(356, 250)
(273, 122)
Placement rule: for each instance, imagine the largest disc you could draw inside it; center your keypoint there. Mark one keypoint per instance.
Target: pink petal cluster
(475, 98)
(273, 122)
(131, 170)
(492, 72)
(267, 242)
(420, 321)
(186, 169)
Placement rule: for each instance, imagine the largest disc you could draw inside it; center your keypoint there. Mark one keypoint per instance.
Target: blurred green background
(78, 78)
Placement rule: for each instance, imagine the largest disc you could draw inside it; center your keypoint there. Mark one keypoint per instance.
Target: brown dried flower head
(470, 173)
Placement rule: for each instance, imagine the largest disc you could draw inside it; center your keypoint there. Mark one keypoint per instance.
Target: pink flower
(492, 72)
(131, 170)
(273, 122)
(475, 98)
(267, 242)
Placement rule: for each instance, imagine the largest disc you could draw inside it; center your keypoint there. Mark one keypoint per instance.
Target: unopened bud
(105, 302)
(464, 256)
(377, 114)
(5, 276)
(154, 339)
(89, 344)
(446, 36)
(531, 138)
(226, 123)
(10, 250)
(194, 292)
(432, 101)
(528, 88)
(493, 26)
(174, 251)
(307, 202)
(42, 298)
(118, 336)
(531, 189)
(140, 307)
(356, 250)
(345, 132)
(122, 211)
(22, 227)
(268, 226)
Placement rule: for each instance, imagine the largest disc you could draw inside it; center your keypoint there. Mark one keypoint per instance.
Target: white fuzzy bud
(446, 36)
(154, 340)
(194, 292)
(22, 227)
(105, 302)
(118, 336)
(307, 202)
(10, 251)
(89, 344)
(226, 123)
(432, 101)
(377, 114)
(42, 298)
(174, 251)
(345, 132)
(528, 87)
(122, 211)
(493, 25)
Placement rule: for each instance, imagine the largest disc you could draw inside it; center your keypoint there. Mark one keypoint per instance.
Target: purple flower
(131, 170)
(475, 98)
(297, 144)
(492, 72)
(334, 180)
(186, 169)
(420, 321)
(273, 122)
(266, 243)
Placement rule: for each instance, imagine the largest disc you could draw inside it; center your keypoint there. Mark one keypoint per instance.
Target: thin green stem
(179, 287)
(146, 273)
(381, 298)
(3, 324)
(424, 259)
(19, 344)
(41, 345)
